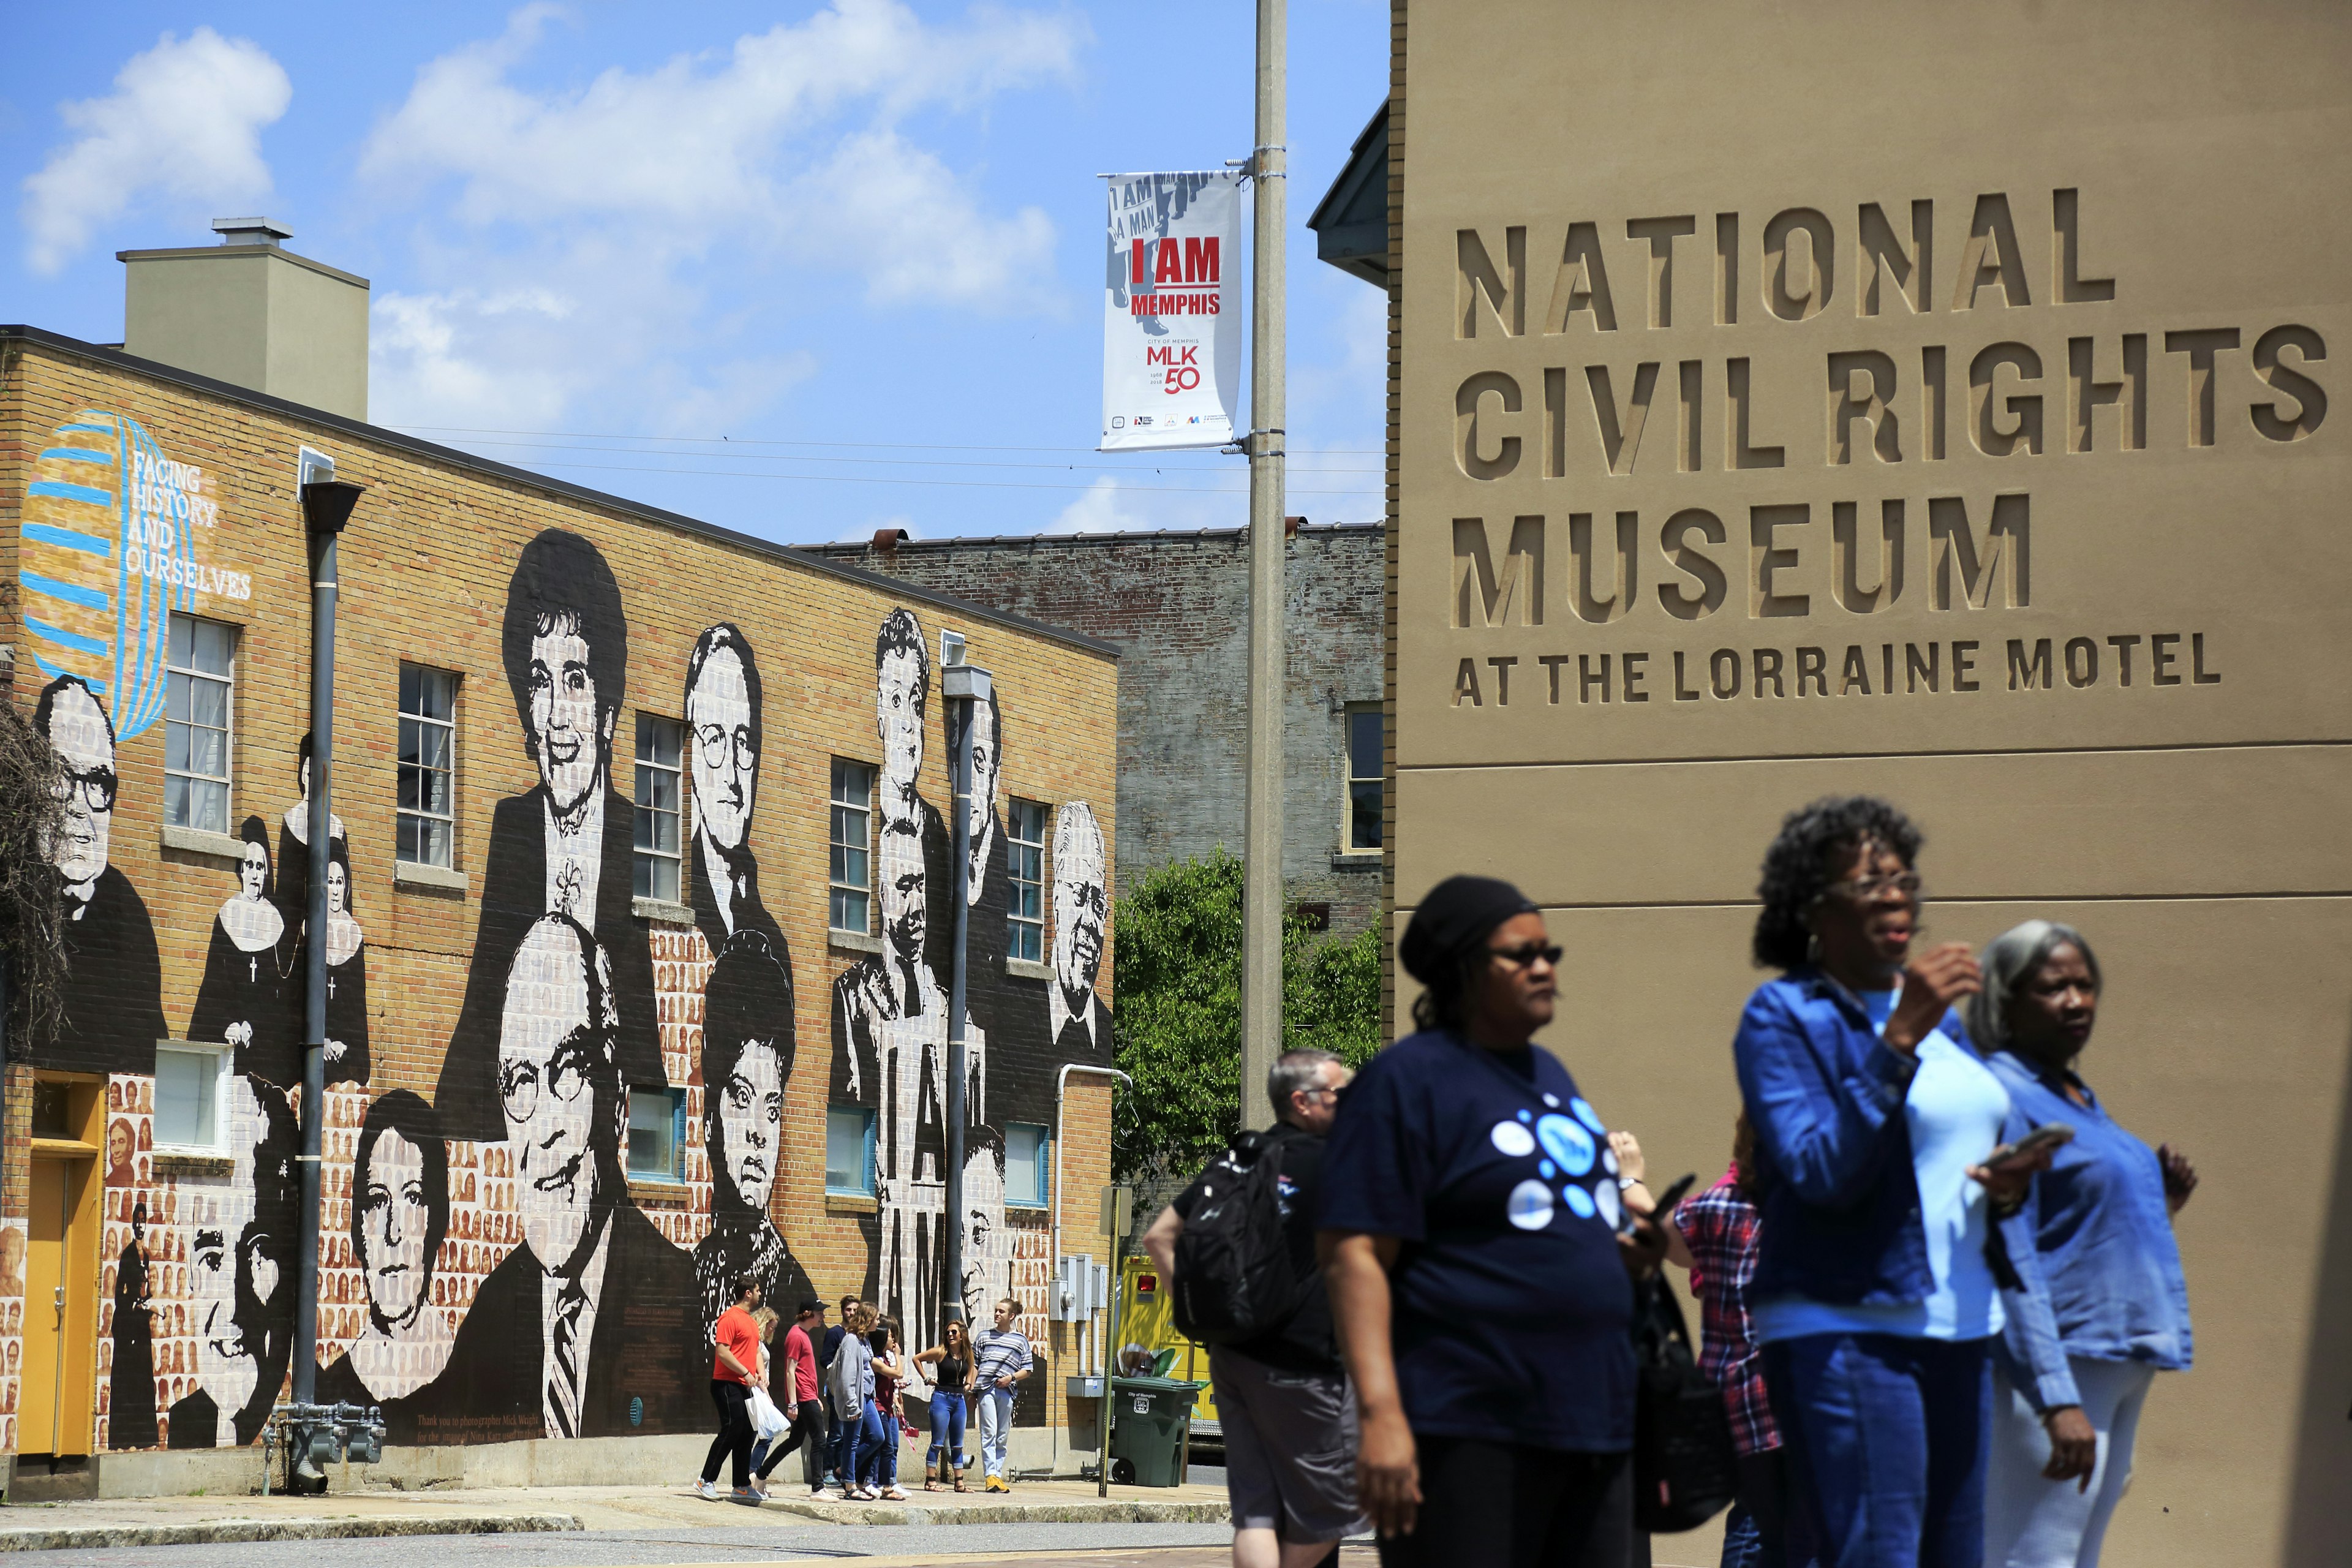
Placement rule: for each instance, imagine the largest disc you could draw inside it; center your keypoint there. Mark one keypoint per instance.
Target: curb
(1104, 1512)
(88, 1537)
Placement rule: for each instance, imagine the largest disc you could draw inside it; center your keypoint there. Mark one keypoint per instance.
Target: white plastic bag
(767, 1421)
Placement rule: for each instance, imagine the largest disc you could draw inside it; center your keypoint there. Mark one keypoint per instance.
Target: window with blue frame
(1028, 1165)
(657, 1133)
(850, 1151)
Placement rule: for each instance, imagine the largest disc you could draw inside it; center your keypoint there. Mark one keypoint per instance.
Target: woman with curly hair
(1882, 1273)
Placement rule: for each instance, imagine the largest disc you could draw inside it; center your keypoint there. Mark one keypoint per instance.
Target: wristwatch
(1627, 1183)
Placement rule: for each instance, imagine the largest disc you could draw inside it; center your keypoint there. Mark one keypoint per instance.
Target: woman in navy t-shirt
(1475, 1246)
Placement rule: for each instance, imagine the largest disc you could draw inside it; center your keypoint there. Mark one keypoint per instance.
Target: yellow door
(44, 1310)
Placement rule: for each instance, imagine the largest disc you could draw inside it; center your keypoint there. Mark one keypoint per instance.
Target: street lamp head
(327, 504)
(966, 680)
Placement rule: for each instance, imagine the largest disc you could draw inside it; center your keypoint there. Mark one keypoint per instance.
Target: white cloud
(185, 121)
(1109, 506)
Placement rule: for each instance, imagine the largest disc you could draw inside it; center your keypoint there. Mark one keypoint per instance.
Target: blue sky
(858, 239)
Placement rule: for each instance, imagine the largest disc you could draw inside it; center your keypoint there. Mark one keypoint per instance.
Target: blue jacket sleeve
(2030, 1352)
(1822, 1108)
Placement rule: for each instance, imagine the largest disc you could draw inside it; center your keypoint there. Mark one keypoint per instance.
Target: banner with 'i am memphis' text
(1171, 314)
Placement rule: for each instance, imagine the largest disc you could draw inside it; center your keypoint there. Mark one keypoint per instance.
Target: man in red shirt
(804, 1407)
(733, 1370)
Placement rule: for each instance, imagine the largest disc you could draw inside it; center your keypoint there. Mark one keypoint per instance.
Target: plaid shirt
(1721, 1228)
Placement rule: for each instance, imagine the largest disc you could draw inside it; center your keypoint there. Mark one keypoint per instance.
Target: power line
(749, 441)
(907, 462)
(940, 484)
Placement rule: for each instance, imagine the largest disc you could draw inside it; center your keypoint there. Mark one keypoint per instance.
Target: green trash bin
(1148, 1416)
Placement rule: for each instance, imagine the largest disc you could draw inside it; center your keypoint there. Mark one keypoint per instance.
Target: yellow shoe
(996, 1484)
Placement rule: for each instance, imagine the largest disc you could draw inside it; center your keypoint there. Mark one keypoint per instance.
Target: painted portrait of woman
(347, 1010)
(245, 999)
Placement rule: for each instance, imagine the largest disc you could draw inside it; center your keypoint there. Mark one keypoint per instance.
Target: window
(656, 1132)
(202, 665)
(849, 1150)
(1028, 1161)
(1366, 737)
(660, 744)
(1024, 859)
(428, 765)
(853, 828)
(190, 1091)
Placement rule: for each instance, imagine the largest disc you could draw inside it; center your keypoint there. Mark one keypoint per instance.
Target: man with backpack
(1237, 1251)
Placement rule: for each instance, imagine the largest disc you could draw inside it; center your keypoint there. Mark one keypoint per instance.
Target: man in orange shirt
(734, 1371)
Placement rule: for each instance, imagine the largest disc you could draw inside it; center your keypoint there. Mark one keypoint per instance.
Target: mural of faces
(751, 1123)
(986, 728)
(555, 1050)
(902, 679)
(1080, 903)
(12, 1259)
(396, 1218)
(78, 728)
(905, 913)
(568, 731)
(719, 712)
(983, 1222)
(338, 887)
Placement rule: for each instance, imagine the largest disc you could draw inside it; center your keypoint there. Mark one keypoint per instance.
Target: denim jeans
(848, 1443)
(877, 1448)
(995, 1429)
(947, 1428)
(1889, 1440)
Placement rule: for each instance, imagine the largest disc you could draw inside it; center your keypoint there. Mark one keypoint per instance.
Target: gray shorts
(1290, 1448)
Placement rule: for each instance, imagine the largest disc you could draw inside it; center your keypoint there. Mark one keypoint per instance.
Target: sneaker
(748, 1495)
(707, 1490)
(995, 1484)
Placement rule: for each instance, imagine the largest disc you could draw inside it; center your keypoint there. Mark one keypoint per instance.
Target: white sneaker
(707, 1491)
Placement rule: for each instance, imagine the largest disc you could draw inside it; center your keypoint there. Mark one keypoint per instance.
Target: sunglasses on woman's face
(1522, 956)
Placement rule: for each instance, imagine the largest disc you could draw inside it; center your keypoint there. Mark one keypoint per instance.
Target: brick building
(1177, 604)
(602, 775)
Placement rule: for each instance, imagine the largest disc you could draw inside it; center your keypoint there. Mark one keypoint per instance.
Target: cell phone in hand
(2051, 1135)
(1666, 1202)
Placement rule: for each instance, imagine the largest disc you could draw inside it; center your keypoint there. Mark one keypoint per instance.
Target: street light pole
(1262, 898)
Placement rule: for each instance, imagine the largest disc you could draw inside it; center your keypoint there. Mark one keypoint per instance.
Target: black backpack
(1234, 1276)
(1685, 1470)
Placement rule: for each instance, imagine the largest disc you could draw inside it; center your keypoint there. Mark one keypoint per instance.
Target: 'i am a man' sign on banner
(1172, 315)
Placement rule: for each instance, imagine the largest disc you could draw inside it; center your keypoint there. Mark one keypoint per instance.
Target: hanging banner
(1172, 313)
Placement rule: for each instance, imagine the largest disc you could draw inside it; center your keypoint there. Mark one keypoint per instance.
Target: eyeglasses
(98, 787)
(565, 1072)
(1521, 957)
(715, 743)
(1863, 889)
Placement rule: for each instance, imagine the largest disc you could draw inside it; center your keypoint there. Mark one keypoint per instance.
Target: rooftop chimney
(253, 313)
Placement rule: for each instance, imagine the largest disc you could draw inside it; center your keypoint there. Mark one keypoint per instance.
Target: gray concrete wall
(1178, 606)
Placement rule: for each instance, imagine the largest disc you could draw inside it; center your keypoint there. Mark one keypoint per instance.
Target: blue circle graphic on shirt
(1512, 1138)
(1567, 1142)
(1527, 1116)
(1580, 1201)
(1609, 1161)
(1586, 1114)
(1553, 1101)
(1530, 1206)
(1547, 1170)
(1610, 1209)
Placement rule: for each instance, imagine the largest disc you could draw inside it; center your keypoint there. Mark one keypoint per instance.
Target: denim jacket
(1841, 1209)
(2103, 1227)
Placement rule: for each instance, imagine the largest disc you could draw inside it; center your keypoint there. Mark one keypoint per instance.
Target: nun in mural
(347, 1011)
(722, 714)
(113, 1000)
(1080, 1023)
(133, 1401)
(294, 844)
(565, 846)
(747, 1066)
(241, 1275)
(251, 996)
(595, 1311)
(399, 1211)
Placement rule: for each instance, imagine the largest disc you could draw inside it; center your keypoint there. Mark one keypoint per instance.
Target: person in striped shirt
(1002, 1361)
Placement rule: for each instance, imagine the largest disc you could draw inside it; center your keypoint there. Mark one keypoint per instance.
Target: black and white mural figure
(564, 846)
(747, 1065)
(132, 1424)
(248, 998)
(987, 1247)
(986, 912)
(400, 1212)
(722, 715)
(294, 844)
(595, 1310)
(241, 1275)
(1080, 1023)
(113, 1001)
(902, 691)
(347, 1013)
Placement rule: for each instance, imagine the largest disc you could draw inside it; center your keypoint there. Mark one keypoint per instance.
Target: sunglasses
(1521, 957)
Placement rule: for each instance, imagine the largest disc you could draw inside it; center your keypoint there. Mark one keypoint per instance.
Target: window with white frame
(661, 744)
(202, 662)
(852, 871)
(1028, 1153)
(657, 1133)
(192, 1096)
(1024, 888)
(427, 828)
(850, 1151)
(1367, 738)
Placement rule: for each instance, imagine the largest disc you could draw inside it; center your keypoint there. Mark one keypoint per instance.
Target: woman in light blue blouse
(2103, 1219)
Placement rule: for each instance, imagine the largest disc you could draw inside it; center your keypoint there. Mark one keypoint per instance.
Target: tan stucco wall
(255, 315)
(2188, 822)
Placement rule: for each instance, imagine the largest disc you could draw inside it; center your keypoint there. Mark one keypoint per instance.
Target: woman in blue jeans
(1882, 1269)
(2102, 1219)
(951, 1361)
(849, 1387)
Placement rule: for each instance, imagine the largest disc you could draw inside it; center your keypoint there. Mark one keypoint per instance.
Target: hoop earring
(1812, 947)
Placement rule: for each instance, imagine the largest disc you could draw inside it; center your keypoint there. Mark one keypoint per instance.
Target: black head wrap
(1456, 916)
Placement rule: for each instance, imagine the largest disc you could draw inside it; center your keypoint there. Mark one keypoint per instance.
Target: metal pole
(1262, 905)
(962, 684)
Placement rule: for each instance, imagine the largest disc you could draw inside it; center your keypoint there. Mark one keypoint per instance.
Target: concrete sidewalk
(174, 1521)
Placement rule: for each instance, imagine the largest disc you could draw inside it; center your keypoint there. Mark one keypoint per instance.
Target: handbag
(1685, 1470)
(767, 1421)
